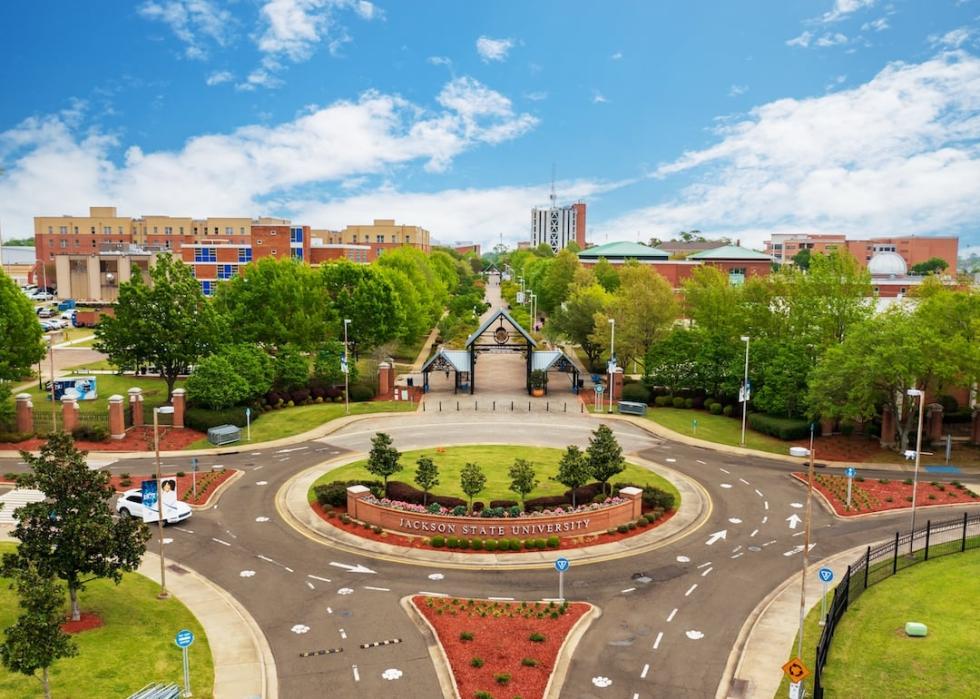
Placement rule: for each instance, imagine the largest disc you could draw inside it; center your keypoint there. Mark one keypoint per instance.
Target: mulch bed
(136, 439)
(501, 639)
(421, 542)
(207, 483)
(855, 448)
(89, 621)
(872, 495)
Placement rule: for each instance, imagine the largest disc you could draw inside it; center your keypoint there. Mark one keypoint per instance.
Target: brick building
(913, 249)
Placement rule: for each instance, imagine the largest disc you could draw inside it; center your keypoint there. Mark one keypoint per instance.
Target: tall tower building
(558, 225)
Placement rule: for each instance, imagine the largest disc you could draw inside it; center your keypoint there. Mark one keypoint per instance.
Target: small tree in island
(383, 459)
(573, 470)
(522, 479)
(426, 476)
(605, 456)
(472, 481)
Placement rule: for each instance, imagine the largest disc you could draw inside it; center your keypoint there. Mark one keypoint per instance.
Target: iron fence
(885, 560)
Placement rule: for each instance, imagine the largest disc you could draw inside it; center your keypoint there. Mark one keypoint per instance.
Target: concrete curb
(447, 681)
(563, 660)
(212, 500)
(294, 509)
(243, 662)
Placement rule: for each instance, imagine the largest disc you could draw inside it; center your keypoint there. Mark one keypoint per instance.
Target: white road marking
(261, 519)
(643, 673)
(738, 555)
(701, 462)
(247, 573)
(345, 591)
(388, 589)
(261, 482)
(220, 541)
(343, 634)
(737, 549)
(706, 572)
(734, 520)
(670, 461)
(329, 610)
(181, 529)
(436, 576)
(765, 519)
(317, 577)
(352, 569)
(628, 589)
(726, 485)
(256, 468)
(799, 533)
(636, 695)
(723, 470)
(601, 681)
(683, 559)
(769, 542)
(796, 505)
(766, 503)
(357, 675)
(744, 481)
(228, 532)
(723, 534)
(286, 451)
(392, 673)
(656, 643)
(310, 585)
(436, 594)
(794, 520)
(300, 628)
(704, 565)
(168, 540)
(758, 492)
(691, 589)
(754, 532)
(285, 458)
(273, 562)
(256, 453)
(288, 569)
(670, 617)
(501, 599)
(694, 635)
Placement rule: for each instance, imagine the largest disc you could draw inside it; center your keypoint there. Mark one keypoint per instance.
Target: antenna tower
(554, 197)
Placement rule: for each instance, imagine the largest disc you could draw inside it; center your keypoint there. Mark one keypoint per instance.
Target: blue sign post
(826, 576)
(850, 472)
(183, 640)
(248, 423)
(194, 475)
(561, 565)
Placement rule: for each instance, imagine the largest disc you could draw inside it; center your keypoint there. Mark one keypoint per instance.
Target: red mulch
(856, 448)
(871, 495)
(419, 542)
(501, 639)
(207, 483)
(89, 621)
(136, 439)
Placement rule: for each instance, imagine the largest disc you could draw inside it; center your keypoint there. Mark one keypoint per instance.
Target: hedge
(360, 392)
(780, 427)
(636, 392)
(335, 492)
(202, 420)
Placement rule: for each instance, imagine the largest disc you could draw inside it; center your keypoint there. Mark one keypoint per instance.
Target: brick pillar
(887, 427)
(117, 420)
(69, 413)
(935, 416)
(975, 433)
(136, 405)
(385, 381)
(616, 392)
(179, 399)
(355, 493)
(25, 413)
(636, 496)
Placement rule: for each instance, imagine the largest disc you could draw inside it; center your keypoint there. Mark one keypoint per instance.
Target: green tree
(254, 365)
(828, 300)
(670, 362)
(553, 287)
(215, 384)
(326, 365)
(20, 333)
(169, 325)
(363, 295)
(292, 368)
(934, 265)
(575, 319)
(606, 275)
(72, 534)
(472, 481)
(426, 476)
(604, 455)
(35, 641)
(413, 319)
(574, 470)
(802, 259)
(383, 460)
(523, 479)
(275, 302)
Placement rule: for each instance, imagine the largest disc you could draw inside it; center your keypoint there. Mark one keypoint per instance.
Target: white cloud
(537, 95)
(368, 10)
(493, 49)
(260, 77)
(808, 38)
(899, 154)
(197, 23)
(57, 165)
(843, 8)
(440, 61)
(617, 56)
(736, 90)
(801, 40)
(598, 97)
(832, 39)
(953, 39)
(218, 77)
(878, 25)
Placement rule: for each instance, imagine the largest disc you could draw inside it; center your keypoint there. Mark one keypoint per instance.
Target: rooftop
(624, 249)
(730, 252)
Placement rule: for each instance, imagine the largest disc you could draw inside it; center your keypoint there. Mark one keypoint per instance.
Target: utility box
(224, 434)
(914, 628)
(628, 407)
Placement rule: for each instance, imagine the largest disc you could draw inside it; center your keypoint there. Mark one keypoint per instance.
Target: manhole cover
(755, 548)
(345, 612)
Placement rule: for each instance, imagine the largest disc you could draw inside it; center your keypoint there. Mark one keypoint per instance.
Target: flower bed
(500, 649)
(207, 483)
(879, 495)
(513, 512)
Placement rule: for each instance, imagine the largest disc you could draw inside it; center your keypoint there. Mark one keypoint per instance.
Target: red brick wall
(580, 225)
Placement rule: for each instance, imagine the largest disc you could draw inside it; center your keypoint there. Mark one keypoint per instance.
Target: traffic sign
(193, 463)
(599, 388)
(795, 670)
(826, 575)
(184, 638)
(850, 472)
(561, 565)
(248, 412)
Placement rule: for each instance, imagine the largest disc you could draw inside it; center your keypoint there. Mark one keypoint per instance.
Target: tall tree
(828, 300)
(426, 476)
(606, 275)
(168, 324)
(35, 641)
(72, 534)
(216, 385)
(934, 265)
(254, 365)
(363, 295)
(553, 287)
(20, 333)
(574, 470)
(523, 479)
(575, 319)
(604, 454)
(383, 459)
(326, 365)
(802, 259)
(472, 481)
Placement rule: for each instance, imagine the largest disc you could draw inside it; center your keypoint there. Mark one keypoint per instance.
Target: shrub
(502, 504)
(655, 497)
(14, 437)
(345, 518)
(466, 636)
(884, 481)
(376, 529)
(932, 496)
(631, 525)
(476, 544)
(476, 662)
(611, 530)
(688, 403)
(300, 395)
(398, 490)
(780, 427)
(553, 542)
(662, 401)
(90, 433)
(438, 542)
(202, 420)
(536, 637)
(180, 474)
(452, 542)
(642, 522)
(464, 543)
(539, 543)
(216, 384)
(334, 493)
(515, 545)
(678, 402)
(622, 529)
(715, 409)
(727, 411)
(490, 544)
(502, 678)
(10, 476)
(125, 482)
(636, 392)
(907, 481)
(360, 392)
(483, 695)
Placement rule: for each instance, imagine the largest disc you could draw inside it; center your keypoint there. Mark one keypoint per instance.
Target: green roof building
(621, 251)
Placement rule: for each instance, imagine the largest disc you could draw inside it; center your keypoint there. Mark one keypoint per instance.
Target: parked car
(45, 312)
(41, 296)
(130, 504)
(47, 325)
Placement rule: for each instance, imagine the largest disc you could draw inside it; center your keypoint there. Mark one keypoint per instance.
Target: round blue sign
(826, 575)
(184, 638)
(561, 565)
(850, 472)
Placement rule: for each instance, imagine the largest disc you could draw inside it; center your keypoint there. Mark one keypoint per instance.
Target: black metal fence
(883, 561)
(44, 423)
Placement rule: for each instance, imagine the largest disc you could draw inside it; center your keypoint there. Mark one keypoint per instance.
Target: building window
(229, 230)
(273, 232)
(204, 254)
(736, 276)
(51, 230)
(245, 255)
(258, 242)
(408, 239)
(168, 230)
(216, 230)
(207, 288)
(296, 253)
(76, 230)
(225, 271)
(107, 230)
(93, 230)
(354, 239)
(77, 242)
(274, 251)
(242, 230)
(182, 230)
(155, 231)
(380, 239)
(296, 235)
(63, 244)
(63, 230)
(166, 244)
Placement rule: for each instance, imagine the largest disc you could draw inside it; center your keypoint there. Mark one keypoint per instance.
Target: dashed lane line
(758, 492)
(754, 532)
(724, 470)
(744, 481)
(670, 617)
(706, 572)
(691, 589)
(704, 565)
(766, 504)
(223, 543)
(656, 643)
(628, 589)
(317, 577)
(357, 675)
(377, 589)
(644, 671)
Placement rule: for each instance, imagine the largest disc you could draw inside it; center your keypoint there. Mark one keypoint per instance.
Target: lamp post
(165, 409)
(912, 392)
(801, 451)
(745, 389)
(523, 299)
(533, 299)
(346, 370)
(612, 359)
(54, 412)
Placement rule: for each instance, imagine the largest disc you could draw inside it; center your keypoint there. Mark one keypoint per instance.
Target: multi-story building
(557, 226)
(383, 234)
(913, 249)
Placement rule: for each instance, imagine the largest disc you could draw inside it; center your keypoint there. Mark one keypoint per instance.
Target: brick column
(179, 401)
(117, 421)
(636, 496)
(935, 416)
(25, 413)
(355, 493)
(975, 432)
(616, 392)
(887, 427)
(69, 413)
(136, 404)
(386, 377)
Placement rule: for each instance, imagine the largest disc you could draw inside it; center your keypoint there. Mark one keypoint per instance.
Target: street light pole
(54, 412)
(612, 358)
(745, 389)
(346, 370)
(163, 594)
(806, 543)
(912, 392)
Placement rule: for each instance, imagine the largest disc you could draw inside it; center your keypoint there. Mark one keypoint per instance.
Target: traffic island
(200, 491)
(870, 496)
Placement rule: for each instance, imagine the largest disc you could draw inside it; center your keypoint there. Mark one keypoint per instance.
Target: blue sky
(735, 118)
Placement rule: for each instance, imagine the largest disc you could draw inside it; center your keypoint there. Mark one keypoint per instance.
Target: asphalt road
(670, 616)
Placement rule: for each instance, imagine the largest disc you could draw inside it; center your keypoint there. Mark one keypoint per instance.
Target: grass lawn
(495, 460)
(870, 655)
(72, 334)
(134, 647)
(715, 428)
(290, 421)
(154, 394)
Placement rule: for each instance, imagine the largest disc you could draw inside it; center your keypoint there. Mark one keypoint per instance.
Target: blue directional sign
(850, 472)
(826, 575)
(561, 565)
(184, 638)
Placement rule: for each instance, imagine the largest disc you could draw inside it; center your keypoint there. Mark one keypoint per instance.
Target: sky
(738, 119)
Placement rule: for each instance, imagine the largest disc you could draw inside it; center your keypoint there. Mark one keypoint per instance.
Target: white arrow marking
(353, 569)
(798, 549)
(793, 519)
(723, 534)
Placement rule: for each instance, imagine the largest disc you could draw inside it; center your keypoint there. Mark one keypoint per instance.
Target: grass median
(714, 428)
